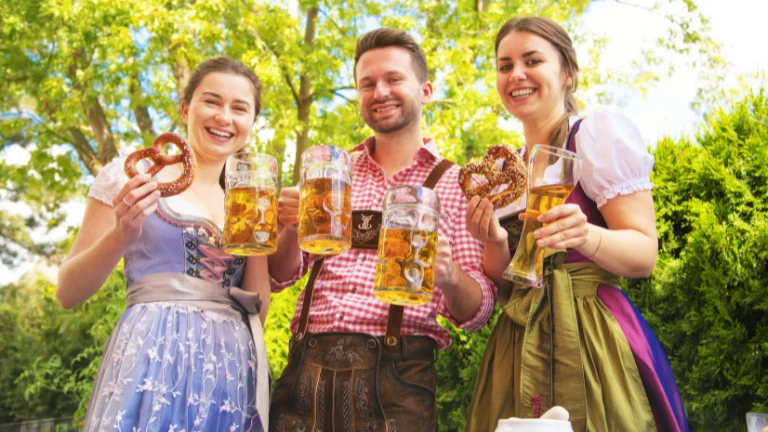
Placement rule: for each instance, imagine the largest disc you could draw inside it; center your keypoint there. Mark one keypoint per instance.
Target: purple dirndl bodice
(174, 243)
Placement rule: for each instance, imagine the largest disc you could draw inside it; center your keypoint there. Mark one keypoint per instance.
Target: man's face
(389, 92)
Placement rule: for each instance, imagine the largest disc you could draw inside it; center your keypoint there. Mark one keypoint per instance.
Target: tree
(84, 81)
(707, 298)
(50, 355)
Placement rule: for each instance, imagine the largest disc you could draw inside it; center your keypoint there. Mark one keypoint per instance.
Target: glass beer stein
(552, 175)
(325, 204)
(250, 227)
(407, 246)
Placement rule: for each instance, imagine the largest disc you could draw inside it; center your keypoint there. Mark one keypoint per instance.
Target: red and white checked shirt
(343, 298)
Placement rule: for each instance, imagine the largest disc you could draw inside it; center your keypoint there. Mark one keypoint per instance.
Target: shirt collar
(427, 151)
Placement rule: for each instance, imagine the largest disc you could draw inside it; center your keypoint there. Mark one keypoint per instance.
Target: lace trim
(624, 188)
(108, 182)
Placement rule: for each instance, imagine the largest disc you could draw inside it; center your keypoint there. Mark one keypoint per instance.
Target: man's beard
(408, 116)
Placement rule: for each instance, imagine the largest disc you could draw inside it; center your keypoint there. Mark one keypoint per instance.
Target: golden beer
(553, 172)
(251, 224)
(527, 265)
(250, 204)
(405, 269)
(325, 216)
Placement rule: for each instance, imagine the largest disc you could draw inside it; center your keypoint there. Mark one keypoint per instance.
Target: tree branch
(335, 90)
(305, 98)
(285, 75)
(180, 70)
(94, 112)
(84, 150)
(341, 95)
(341, 31)
(140, 110)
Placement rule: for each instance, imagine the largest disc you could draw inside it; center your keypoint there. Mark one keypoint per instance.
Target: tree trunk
(85, 152)
(139, 108)
(94, 113)
(181, 73)
(482, 5)
(305, 97)
(100, 129)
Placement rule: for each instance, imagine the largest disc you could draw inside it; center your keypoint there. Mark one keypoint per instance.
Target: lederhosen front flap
(366, 225)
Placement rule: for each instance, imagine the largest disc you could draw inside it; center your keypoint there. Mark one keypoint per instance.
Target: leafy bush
(708, 297)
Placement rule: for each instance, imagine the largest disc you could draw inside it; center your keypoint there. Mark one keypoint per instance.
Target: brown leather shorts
(349, 382)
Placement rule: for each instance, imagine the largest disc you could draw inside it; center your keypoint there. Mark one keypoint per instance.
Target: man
(349, 368)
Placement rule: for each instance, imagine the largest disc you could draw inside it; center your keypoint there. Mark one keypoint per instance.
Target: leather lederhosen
(350, 382)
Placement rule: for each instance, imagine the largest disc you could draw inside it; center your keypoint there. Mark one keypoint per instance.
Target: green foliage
(457, 369)
(50, 355)
(707, 299)
(277, 329)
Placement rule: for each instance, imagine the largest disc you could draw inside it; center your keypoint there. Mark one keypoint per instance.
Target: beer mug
(552, 175)
(250, 227)
(325, 205)
(405, 272)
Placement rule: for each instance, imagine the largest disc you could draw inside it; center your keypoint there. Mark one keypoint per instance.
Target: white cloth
(615, 157)
(112, 178)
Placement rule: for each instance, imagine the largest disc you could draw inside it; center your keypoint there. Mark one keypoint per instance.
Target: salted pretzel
(160, 159)
(513, 175)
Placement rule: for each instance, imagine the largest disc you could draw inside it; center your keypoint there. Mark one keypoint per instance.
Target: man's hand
(446, 272)
(288, 208)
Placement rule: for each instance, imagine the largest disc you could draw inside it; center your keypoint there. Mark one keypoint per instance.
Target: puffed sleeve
(615, 157)
(108, 182)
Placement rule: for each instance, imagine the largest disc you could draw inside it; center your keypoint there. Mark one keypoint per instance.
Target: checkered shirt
(343, 298)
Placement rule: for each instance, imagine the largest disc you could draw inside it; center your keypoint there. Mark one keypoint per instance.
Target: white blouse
(112, 178)
(615, 157)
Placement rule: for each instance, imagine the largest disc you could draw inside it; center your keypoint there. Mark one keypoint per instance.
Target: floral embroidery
(149, 335)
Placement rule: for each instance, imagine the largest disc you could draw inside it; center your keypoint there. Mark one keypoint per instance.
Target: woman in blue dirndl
(188, 352)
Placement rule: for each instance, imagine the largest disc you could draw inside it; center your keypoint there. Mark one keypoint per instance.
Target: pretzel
(160, 160)
(513, 175)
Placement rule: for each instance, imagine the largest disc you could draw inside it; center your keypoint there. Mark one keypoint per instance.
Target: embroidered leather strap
(308, 291)
(395, 320)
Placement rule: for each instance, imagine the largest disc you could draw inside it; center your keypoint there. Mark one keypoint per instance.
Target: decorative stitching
(321, 406)
(298, 426)
(304, 392)
(361, 398)
(346, 410)
(338, 352)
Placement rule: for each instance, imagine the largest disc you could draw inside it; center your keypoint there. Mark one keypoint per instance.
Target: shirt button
(362, 258)
(354, 290)
(341, 317)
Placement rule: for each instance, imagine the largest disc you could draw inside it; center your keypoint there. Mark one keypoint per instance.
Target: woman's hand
(133, 204)
(565, 227)
(482, 223)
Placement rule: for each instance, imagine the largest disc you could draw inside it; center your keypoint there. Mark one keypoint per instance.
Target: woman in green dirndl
(578, 342)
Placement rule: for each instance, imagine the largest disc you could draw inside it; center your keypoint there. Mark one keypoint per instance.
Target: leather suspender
(395, 320)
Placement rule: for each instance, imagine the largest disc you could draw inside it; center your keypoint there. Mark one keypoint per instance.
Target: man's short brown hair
(387, 37)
